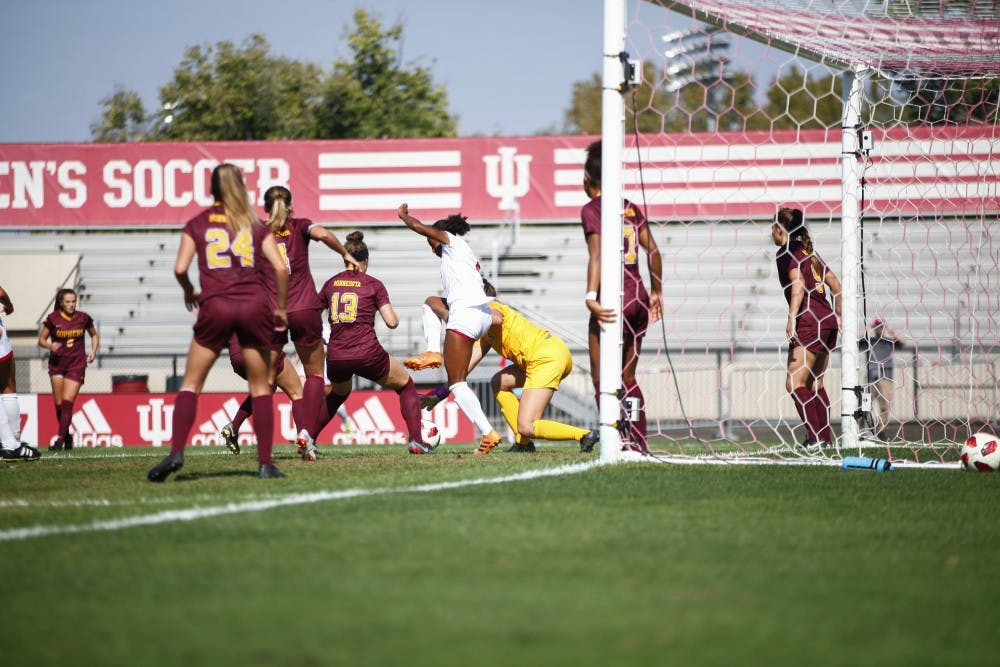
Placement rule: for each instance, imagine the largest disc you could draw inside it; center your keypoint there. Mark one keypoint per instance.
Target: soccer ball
(982, 453)
(430, 433)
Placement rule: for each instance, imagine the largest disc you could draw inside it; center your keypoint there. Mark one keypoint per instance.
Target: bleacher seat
(720, 287)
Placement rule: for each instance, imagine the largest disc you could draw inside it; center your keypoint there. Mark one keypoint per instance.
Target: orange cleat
(489, 441)
(424, 360)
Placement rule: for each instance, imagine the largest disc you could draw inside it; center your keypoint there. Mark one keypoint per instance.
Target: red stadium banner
(121, 420)
(683, 176)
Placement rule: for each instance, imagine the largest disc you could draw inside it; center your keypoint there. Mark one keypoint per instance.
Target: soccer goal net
(879, 121)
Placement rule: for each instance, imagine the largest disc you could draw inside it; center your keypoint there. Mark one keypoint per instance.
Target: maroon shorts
(372, 368)
(635, 316)
(73, 368)
(305, 327)
(220, 318)
(240, 365)
(817, 337)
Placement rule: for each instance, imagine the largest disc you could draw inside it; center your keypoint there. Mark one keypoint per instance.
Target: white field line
(195, 513)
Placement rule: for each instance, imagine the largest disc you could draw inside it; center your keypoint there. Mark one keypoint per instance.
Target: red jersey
(813, 274)
(227, 263)
(69, 331)
(633, 224)
(352, 299)
(293, 244)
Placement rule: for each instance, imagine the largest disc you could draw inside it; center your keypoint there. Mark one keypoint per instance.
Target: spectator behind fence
(879, 342)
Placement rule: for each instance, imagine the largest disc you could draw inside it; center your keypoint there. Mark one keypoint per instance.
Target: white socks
(7, 438)
(13, 410)
(432, 329)
(466, 399)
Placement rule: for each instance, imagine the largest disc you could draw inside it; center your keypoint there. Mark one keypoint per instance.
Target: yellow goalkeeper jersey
(517, 338)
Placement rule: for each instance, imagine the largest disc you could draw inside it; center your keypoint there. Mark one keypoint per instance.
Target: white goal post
(719, 77)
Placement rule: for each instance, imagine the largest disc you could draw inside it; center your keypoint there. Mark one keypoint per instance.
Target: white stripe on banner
(196, 513)
(390, 202)
(374, 160)
(390, 180)
(822, 171)
(788, 151)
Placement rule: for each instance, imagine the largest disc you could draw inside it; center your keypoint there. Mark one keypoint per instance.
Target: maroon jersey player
(305, 322)
(230, 244)
(812, 325)
(352, 298)
(63, 334)
(639, 307)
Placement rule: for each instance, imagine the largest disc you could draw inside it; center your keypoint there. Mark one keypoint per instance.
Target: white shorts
(471, 321)
(5, 348)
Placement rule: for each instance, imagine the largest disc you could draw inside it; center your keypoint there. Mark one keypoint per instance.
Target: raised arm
(327, 238)
(430, 232)
(895, 337)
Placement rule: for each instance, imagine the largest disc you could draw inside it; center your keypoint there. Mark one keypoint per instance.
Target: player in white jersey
(469, 315)
(11, 447)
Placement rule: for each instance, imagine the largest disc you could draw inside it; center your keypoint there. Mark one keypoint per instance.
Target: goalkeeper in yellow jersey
(540, 361)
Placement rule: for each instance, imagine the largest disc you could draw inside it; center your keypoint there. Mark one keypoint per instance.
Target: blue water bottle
(866, 463)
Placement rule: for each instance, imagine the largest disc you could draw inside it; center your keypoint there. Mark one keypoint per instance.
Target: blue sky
(509, 66)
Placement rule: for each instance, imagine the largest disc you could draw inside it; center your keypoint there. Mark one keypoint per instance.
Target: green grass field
(359, 560)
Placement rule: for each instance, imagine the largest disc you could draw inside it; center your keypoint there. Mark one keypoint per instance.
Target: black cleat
(812, 447)
(269, 471)
(162, 470)
(68, 444)
(228, 434)
(526, 447)
(22, 453)
(56, 446)
(589, 439)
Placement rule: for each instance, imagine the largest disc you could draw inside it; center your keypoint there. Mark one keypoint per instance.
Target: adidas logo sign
(373, 426)
(91, 428)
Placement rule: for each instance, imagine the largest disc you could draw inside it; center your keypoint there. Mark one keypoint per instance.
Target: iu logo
(155, 418)
(507, 176)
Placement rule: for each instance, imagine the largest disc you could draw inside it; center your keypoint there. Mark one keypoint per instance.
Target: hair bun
(356, 237)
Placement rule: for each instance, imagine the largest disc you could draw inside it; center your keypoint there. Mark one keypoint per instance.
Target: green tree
(953, 101)
(123, 118)
(646, 102)
(583, 116)
(796, 101)
(372, 95)
(231, 92)
(226, 92)
(724, 104)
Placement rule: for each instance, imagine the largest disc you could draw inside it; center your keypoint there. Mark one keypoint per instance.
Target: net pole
(850, 248)
(612, 208)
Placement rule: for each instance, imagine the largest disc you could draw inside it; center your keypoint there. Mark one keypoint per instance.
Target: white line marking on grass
(196, 513)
